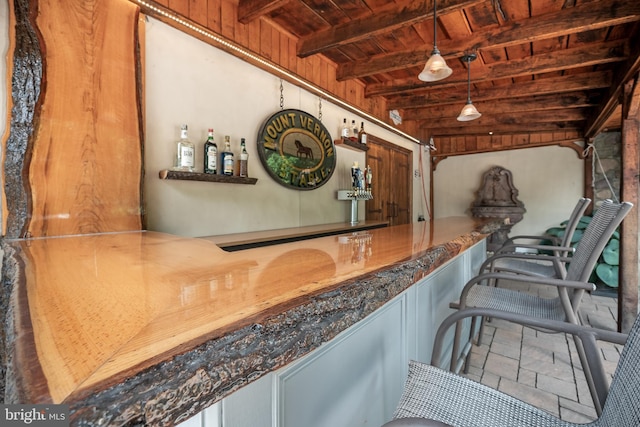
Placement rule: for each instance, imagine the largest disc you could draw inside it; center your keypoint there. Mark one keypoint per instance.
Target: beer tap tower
(360, 190)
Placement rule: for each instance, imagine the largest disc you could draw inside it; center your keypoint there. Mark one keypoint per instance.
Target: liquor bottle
(354, 130)
(227, 157)
(344, 130)
(185, 152)
(244, 159)
(210, 155)
(362, 135)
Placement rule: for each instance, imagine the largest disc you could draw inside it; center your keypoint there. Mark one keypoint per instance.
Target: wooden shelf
(197, 176)
(351, 144)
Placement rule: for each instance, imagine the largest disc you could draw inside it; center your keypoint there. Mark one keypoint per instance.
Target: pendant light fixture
(469, 111)
(436, 68)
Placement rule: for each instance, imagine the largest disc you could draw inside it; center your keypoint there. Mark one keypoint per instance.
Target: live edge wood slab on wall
(73, 155)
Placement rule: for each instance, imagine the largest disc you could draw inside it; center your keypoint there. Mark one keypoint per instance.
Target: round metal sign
(297, 150)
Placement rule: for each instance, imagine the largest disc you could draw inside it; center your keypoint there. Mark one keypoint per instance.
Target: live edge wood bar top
(150, 328)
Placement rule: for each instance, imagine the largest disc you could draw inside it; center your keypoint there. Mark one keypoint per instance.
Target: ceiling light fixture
(432, 145)
(436, 68)
(469, 111)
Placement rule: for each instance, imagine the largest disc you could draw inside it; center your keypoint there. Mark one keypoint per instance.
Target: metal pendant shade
(469, 111)
(436, 67)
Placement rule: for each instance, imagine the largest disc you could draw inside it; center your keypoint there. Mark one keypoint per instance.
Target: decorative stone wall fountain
(498, 198)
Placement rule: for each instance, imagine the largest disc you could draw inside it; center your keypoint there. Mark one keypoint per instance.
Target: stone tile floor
(544, 369)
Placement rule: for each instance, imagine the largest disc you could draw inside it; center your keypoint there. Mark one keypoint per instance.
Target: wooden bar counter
(144, 327)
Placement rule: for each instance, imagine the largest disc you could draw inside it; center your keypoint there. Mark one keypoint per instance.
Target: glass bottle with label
(227, 157)
(185, 152)
(362, 135)
(344, 130)
(354, 130)
(210, 154)
(244, 159)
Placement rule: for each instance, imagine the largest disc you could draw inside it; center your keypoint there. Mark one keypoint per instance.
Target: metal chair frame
(572, 223)
(570, 289)
(433, 397)
(507, 259)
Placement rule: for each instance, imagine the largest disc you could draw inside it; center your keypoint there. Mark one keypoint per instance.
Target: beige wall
(549, 181)
(192, 82)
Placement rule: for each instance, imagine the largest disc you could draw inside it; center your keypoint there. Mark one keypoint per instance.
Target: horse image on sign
(302, 150)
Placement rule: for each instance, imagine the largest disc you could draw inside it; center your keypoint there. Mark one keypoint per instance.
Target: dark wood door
(376, 209)
(391, 182)
(401, 186)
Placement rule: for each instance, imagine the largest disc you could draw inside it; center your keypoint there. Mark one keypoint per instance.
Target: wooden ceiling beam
(250, 10)
(632, 99)
(553, 85)
(495, 144)
(585, 17)
(556, 105)
(510, 118)
(391, 18)
(582, 56)
(625, 72)
(510, 129)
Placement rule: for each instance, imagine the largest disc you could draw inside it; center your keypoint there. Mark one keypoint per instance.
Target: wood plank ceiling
(547, 71)
(543, 65)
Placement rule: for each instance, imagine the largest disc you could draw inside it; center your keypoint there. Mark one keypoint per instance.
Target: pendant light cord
(468, 80)
(435, 27)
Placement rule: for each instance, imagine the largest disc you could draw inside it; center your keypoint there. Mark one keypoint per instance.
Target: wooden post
(73, 162)
(432, 167)
(628, 286)
(433, 164)
(588, 178)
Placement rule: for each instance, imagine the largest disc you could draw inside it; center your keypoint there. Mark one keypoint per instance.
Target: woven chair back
(596, 236)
